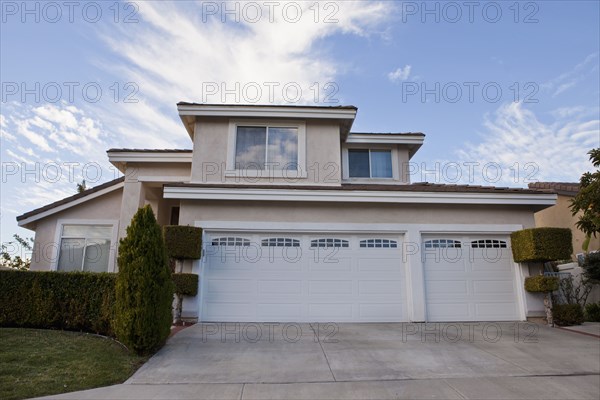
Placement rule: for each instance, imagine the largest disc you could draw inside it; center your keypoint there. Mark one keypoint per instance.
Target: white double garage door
(275, 277)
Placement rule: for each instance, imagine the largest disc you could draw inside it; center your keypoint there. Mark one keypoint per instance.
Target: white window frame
(231, 170)
(346, 162)
(86, 222)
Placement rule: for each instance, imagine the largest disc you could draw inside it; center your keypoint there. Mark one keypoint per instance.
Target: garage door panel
(346, 283)
(490, 287)
(496, 311)
(448, 311)
(327, 310)
(280, 287)
(369, 264)
(381, 287)
(382, 312)
(230, 286)
(483, 287)
(442, 288)
(274, 311)
(329, 287)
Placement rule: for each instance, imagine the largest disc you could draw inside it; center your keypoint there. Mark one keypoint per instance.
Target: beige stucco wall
(211, 146)
(192, 211)
(106, 207)
(560, 216)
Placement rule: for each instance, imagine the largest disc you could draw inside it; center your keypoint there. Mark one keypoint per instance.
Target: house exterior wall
(192, 210)
(106, 207)
(560, 216)
(211, 147)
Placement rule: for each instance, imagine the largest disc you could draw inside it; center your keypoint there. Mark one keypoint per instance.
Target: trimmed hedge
(77, 301)
(567, 314)
(186, 284)
(541, 284)
(183, 242)
(592, 312)
(541, 244)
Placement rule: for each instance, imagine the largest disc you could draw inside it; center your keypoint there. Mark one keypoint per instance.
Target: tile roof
(70, 198)
(413, 187)
(563, 188)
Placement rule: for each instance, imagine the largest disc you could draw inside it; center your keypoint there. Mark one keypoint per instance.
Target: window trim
(301, 172)
(346, 162)
(90, 222)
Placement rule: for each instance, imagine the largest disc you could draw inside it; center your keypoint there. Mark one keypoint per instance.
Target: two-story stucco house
(304, 220)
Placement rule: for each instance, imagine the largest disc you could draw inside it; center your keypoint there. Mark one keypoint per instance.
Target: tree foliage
(12, 253)
(144, 289)
(587, 200)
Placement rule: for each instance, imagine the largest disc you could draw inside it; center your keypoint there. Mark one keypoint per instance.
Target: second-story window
(370, 163)
(266, 147)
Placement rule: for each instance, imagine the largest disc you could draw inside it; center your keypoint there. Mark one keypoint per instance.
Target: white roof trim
(136, 156)
(266, 112)
(385, 139)
(204, 193)
(70, 204)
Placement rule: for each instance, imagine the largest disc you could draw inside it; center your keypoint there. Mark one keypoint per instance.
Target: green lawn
(42, 362)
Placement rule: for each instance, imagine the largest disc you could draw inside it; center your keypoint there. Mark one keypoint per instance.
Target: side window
(379, 243)
(329, 242)
(442, 244)
(85, 248)
(230, 241)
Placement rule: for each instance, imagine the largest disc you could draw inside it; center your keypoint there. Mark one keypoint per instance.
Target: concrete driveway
(361, 361)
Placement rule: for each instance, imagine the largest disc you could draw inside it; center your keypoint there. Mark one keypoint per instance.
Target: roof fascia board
(172, 192)
(70, 204)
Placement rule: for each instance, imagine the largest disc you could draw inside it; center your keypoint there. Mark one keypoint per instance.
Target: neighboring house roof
(562, 188)
(412, 187)
(67, 201)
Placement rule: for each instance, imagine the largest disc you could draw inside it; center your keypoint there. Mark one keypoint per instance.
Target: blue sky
(379, 56)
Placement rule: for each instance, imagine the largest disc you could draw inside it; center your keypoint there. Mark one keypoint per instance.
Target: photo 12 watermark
(454, 12)
(469, 92)
(252, 12)
(53, 12)
(269, 92)
(69, 92)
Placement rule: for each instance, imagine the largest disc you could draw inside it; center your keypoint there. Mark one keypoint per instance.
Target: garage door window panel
(378, 243)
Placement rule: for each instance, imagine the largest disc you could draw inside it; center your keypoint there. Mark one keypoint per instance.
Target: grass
(43, 362)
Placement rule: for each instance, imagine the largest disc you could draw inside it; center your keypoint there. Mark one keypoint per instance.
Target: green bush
(541, 284)
(185, 284)
(78, 301)
(567, 314)
(541, 244)
(183, 242)
(144, 288)
(591, 266)
(592, 312)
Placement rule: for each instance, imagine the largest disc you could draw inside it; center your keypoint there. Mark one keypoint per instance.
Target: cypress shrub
(144, 288)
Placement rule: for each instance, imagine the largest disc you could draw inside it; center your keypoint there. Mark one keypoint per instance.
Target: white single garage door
(469, 279)
(303, 278)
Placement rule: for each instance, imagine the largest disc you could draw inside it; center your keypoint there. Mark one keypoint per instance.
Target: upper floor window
(266, 147)
(367, 163)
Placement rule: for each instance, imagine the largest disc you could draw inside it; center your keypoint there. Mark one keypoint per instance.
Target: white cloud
(400, 74)
(570, 79)
(173, 55)
(529, 150)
